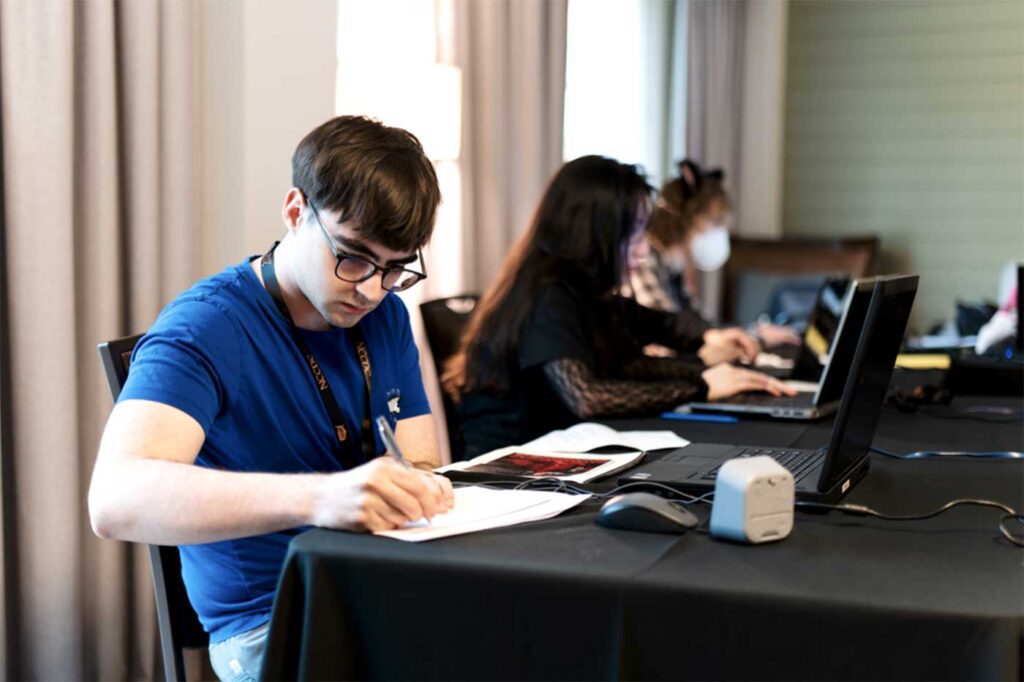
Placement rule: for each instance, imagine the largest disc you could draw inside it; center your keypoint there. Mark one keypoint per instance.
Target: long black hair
(580, 231)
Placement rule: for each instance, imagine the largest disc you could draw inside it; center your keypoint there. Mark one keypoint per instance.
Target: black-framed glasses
(355, 269)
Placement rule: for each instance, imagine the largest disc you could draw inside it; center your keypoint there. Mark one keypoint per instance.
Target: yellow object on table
(923, 360)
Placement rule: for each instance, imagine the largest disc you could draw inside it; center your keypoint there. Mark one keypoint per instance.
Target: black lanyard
(349, 456)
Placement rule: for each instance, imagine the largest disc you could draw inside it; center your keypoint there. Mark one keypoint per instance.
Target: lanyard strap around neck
(350, 457)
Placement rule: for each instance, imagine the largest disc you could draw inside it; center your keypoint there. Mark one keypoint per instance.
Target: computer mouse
(645, 512)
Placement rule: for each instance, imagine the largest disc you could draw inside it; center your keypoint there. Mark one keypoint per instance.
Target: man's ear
(294, 205)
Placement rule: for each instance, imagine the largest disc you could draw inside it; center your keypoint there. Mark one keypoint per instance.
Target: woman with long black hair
(551, 343)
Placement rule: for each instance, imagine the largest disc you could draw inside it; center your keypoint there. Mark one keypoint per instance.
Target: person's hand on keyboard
(725, 381)
(728, 345)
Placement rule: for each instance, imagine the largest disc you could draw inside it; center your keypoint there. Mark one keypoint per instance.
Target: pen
(388, 436)
(698, 417)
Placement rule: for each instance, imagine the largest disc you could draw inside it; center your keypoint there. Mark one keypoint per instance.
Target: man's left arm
(418, 439)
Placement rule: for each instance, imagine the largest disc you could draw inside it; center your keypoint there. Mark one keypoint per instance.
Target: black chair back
(444, 319)
(178, 623)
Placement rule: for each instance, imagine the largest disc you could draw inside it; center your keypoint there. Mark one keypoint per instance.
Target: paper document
(802, 386)
(588, 435)
(773, 360)
(534, 463)
(479, 508)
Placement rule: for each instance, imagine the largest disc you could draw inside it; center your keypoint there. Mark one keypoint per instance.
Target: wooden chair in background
(756, 266)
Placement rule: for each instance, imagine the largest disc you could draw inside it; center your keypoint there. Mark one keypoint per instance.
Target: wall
(906, 119)
(268, 79)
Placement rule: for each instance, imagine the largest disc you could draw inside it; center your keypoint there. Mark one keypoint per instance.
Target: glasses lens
(353, 269)
(397, 279)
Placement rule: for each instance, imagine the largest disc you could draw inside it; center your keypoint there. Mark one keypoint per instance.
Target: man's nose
(372, 289)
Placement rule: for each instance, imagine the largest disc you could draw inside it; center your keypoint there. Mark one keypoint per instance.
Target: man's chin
(343, 315)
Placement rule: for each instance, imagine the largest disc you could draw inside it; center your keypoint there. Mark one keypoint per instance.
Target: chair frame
(440, 356)
(178, 623)
(856, 256)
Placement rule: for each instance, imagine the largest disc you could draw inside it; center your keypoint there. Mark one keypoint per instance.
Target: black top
(567, 323)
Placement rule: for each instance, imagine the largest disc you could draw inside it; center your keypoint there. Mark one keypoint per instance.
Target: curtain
(512, 56)
(100, 190)
(714, 102)
(664, 29)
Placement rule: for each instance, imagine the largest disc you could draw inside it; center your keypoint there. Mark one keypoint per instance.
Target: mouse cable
(985, 414)
(925, 454)
(557, 485)
(861, 510)
(978, 416)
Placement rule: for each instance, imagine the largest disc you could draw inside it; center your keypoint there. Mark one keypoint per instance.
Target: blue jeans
(238, 658)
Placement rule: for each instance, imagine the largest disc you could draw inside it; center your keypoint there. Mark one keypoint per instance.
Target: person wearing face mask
(689, 234)
(552, 342)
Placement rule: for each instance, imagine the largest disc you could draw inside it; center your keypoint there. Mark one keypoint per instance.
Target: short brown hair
(681, 200)
(374, 175)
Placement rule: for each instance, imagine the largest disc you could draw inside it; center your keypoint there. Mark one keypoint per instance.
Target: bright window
(388, 69)
(625, 82)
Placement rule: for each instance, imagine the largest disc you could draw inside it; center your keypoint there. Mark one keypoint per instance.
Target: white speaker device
(754, 498)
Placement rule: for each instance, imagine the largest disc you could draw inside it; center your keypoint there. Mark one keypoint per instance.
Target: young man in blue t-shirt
(247, 413)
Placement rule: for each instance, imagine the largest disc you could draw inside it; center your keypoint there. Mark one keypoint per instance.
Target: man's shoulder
(227, 286)
(220, 304)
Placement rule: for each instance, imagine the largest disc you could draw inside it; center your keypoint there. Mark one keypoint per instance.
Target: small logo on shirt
(341, 432)
(394, 395)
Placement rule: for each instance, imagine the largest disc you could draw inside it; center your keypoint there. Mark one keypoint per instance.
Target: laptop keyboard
(798, 462)
(768, 400)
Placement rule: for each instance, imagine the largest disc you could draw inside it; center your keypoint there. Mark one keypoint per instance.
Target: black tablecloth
(841, 598)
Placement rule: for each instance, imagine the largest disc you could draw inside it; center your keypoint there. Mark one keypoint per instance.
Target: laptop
(828, 473)
(818, 397)
(811, 355)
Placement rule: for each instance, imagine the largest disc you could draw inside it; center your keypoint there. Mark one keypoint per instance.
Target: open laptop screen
(822, 328)
(1019, 342)
(824, 320)
(844, 345)
(869, 376)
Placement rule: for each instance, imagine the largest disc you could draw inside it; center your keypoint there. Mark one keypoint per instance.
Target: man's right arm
(147, 488)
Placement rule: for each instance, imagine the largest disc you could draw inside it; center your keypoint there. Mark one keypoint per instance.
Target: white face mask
(710, 249)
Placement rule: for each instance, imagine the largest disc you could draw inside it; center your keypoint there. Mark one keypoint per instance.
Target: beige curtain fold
(714, 102)
(101, 187)
(512, 56)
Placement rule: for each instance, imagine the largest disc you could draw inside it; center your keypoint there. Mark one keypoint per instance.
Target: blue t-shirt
(224, 354)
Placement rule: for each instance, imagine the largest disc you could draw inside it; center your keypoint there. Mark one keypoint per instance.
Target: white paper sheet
(773, 360)
(588, 435)
(802, 386)
(478, 508)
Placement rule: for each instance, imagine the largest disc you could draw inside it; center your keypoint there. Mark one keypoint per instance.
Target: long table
(842, 598)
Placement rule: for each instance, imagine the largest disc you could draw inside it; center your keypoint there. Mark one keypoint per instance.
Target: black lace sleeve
(682, 331)
(587, 396)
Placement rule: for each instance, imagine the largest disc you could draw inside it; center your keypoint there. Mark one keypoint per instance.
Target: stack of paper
(479, 508)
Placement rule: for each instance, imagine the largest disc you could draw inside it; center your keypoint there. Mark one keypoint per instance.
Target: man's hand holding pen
(379, 495)
(385, 493)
